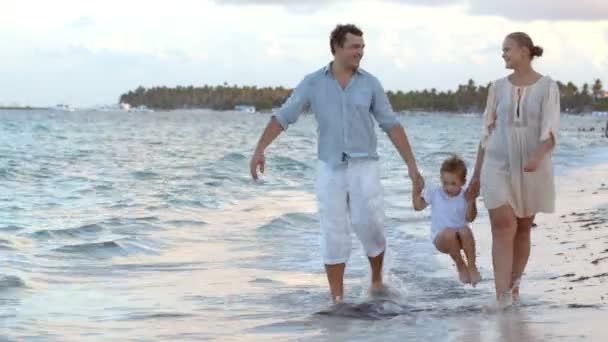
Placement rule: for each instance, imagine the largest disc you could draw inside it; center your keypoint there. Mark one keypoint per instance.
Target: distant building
(245, 108)
(63, 108)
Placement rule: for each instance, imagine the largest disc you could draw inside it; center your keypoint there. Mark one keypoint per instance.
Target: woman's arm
(473, 189)
(471, 210)
(545, 147)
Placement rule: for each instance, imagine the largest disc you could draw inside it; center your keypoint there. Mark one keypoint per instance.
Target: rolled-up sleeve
(296, 104)
(489, 116)
(381, 107)
(551, 110)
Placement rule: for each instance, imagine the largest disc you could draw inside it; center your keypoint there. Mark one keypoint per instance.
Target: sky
(87, 53)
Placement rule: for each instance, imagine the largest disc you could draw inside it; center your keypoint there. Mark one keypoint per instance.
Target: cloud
(82, 22)
(82, 76)
(524, 10)
(307, 6)
(518, 10)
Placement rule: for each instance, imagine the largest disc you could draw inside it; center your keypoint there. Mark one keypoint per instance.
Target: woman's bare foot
(474, 275)
(515, 294)
(463, 274)
(515, 290)
(504, 301)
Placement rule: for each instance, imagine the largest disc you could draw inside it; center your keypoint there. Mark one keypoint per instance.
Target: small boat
(63, 108)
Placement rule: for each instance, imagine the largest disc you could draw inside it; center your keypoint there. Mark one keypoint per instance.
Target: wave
(6, 245)
(145, 175)
(88, 229)
(156, 315)
(186, 223)
(8, 282)
(10, 228)
(94, 248)
(234, 157)
(111, 248)
(292, 220)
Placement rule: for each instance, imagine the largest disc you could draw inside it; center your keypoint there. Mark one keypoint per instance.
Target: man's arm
(402, 144)
(271, 132)
(297, 102)
(383, 112)
(418, 201)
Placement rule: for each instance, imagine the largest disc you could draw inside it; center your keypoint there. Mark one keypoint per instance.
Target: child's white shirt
(446, 211)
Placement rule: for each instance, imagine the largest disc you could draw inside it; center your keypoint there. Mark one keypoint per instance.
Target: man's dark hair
(338, 35)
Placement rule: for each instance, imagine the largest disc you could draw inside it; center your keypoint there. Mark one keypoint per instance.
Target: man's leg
(367, 213)
(335, 232)
(335, 277)
(376, 266)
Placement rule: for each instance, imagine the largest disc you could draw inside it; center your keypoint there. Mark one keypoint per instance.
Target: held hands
(417, 182)
(472, 191)
(257, 160)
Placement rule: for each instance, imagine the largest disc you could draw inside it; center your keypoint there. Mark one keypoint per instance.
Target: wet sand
(573, 243)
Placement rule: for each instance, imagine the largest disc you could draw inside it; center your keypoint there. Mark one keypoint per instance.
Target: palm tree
(597, 89)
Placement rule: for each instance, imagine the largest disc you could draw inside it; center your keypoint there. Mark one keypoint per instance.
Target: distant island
(22, 108)
(468, 97)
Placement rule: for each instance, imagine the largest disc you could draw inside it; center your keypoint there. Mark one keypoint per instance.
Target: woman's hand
(472, 191)
(532, 164)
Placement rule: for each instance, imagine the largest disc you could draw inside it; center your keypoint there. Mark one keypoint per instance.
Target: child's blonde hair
(455, 165)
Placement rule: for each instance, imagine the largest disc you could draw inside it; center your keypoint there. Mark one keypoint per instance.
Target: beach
(147, 226)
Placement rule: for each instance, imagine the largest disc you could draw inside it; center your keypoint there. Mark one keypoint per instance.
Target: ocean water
(147, 226)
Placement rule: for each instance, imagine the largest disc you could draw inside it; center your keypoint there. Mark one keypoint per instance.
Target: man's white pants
(350, 197)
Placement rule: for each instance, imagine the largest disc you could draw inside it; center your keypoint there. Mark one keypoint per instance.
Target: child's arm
(471, 210)
(417, 200)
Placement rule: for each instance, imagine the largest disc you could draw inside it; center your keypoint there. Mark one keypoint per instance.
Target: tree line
(468, 97)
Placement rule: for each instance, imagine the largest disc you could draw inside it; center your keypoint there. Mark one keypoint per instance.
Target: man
(344, 99)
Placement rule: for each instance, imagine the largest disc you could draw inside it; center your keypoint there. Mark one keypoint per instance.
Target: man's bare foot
(378, 290)
(474, 275)
(463, 274)
(379, 286)
(337, 299)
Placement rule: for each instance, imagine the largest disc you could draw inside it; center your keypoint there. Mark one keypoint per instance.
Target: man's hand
(257, 160)
(417, 181)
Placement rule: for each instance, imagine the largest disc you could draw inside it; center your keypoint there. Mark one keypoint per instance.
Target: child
(451, 213)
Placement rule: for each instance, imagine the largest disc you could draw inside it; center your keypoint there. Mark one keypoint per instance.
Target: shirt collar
(327, 70)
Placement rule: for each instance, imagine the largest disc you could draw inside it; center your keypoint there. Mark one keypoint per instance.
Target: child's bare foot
(463, 274)
(474, 275)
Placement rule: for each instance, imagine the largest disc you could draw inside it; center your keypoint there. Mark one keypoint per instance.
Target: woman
(514, 166)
